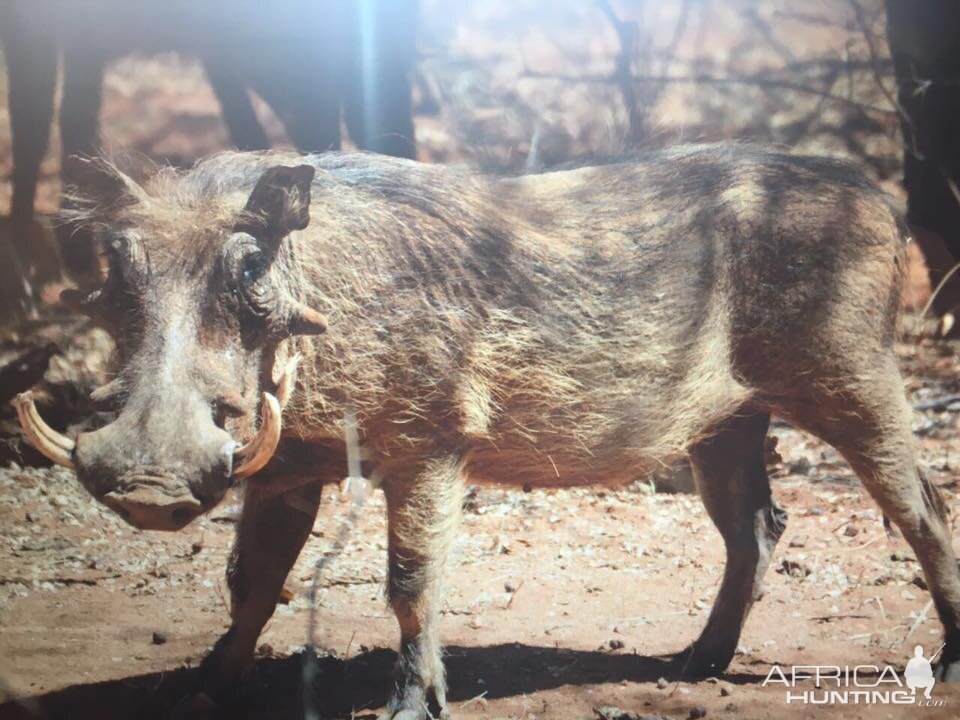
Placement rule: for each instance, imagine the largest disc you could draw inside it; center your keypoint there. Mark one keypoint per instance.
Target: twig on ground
(920, 619)
(513, 595)
(480, 699)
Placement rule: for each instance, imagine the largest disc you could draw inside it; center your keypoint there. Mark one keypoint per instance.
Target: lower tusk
(255, 454)
(288, 380)
(56, 447)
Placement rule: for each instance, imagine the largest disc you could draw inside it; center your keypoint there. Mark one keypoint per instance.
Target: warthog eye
(255, 264)
(255, 293)
(266, 307)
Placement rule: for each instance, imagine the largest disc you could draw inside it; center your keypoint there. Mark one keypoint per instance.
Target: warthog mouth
(149, 499)
(247, 459)
(159, 497)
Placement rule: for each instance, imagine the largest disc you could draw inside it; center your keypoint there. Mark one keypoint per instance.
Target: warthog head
(197, 319)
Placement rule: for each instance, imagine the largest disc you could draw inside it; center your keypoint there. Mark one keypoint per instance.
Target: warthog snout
(159, 477)
(149, 507)
(154, 480)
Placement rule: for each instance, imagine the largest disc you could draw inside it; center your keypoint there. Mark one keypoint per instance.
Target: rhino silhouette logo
(919, 673)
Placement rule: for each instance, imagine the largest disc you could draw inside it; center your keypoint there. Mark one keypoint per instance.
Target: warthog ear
(279, 204)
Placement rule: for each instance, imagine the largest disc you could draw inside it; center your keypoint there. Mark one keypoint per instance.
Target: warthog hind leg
(732, 479)
(869, 424)
(423, 516)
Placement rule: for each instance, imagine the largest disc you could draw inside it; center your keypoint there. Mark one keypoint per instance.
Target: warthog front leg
(732, 479)
(272, 531)
(423, 516)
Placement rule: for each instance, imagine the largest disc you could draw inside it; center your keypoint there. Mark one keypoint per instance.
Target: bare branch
(861, 18)
(746, 80)
(627, 32)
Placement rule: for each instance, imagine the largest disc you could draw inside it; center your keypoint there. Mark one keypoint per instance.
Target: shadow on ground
(342, 687)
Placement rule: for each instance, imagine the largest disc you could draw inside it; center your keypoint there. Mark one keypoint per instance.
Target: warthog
(561, 329)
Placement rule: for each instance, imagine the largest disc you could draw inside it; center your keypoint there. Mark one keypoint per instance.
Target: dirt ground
(560, 604)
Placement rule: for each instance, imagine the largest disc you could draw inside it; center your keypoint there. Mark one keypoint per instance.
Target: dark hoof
(698, 662)
(947, 672)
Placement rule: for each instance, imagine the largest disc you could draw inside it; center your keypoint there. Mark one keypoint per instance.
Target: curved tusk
(255, 454)
(56, 447)
(288, 380)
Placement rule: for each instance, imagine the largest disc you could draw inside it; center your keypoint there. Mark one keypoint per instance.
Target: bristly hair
(576, 321)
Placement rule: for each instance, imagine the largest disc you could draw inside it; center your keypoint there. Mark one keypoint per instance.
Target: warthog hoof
(701, 660)
(410, 703)
(405, 715)
(947, 672)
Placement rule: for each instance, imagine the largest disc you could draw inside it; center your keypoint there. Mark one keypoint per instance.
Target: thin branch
(861, 19)
(627, 32)
(746, 80)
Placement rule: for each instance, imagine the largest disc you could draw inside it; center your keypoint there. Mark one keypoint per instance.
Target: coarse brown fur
(574, 327)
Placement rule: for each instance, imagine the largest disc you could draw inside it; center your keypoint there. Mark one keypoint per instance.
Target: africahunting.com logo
(859, 684)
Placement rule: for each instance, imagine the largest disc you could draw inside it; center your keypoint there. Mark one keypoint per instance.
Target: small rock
(510, 586)
(696, 712)
(612, 712)
(609, 712)
(662, 683)
(286, 595)
(851, 531)
(919, 581)
(793, 568)
(616, 644)
(159, 638)
(724, 691)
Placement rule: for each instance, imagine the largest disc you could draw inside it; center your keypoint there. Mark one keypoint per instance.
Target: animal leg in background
(79, 131)
(235, 107)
